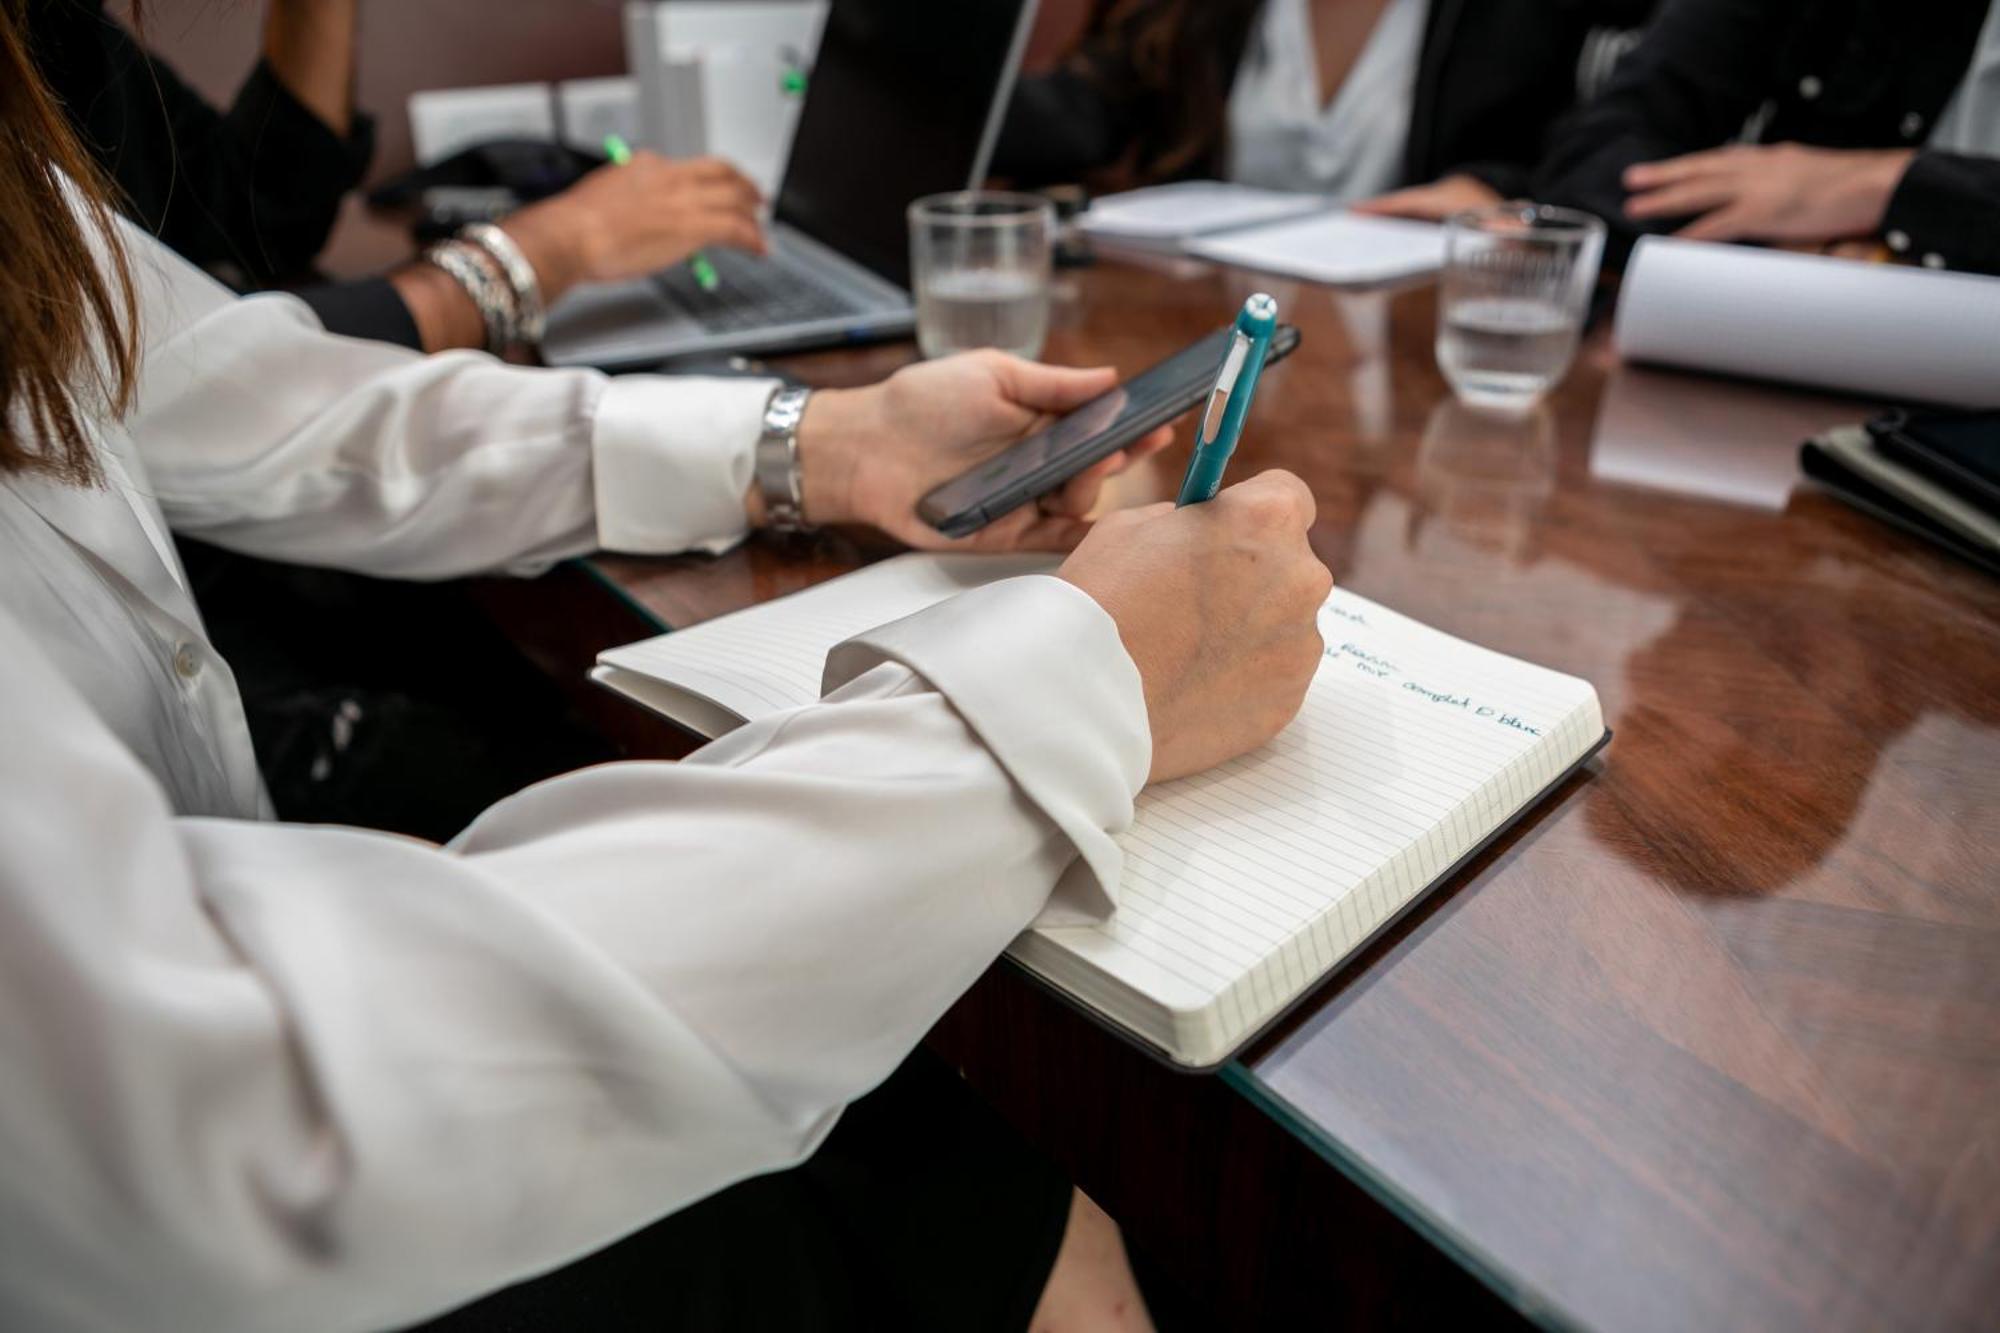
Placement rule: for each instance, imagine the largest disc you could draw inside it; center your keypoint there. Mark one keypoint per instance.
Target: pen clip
(1225, 387)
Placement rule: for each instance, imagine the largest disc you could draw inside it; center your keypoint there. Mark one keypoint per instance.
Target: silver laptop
(906, 100)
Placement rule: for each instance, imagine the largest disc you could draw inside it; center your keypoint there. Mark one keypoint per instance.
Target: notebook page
(1245, 884)
(769, 658)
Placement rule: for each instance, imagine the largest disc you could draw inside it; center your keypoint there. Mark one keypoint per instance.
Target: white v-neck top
(1971, 120)
(1280, 134)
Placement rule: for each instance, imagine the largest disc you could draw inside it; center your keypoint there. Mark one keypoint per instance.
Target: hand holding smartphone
(1045, 460)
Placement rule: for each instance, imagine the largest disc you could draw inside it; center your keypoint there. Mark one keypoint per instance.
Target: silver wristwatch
(778, 477)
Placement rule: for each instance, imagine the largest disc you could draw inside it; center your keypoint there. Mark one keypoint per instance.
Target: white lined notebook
(1243, 886)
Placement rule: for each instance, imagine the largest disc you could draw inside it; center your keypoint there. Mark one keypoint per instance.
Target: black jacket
(1833, 73)
(250, 193)
(1492, 77)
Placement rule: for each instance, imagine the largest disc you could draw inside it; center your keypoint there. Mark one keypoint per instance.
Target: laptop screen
(898, 106)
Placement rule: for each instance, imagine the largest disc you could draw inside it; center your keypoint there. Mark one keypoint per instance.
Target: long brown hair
(1176, 59)
(69, 342)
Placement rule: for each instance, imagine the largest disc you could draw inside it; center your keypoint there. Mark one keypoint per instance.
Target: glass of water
(1516, 288)
(980, 260)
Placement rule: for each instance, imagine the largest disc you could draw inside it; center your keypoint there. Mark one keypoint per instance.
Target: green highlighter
(620, 153)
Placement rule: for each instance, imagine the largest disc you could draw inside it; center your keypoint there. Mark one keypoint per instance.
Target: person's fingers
(1422, 204)
(736, 193)
(1724, 224)
(722, 227)
(1393, 205)
(1006, 533)
(1151, 445)
(1671, 171)
(1051, 532)
(1685, 199)
(719, 169)
(1055, 389)
(1078, 496)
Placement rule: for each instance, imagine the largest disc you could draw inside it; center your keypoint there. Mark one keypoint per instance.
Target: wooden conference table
(1713, 1040)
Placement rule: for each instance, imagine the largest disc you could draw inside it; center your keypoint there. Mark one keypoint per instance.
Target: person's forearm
(310, 47)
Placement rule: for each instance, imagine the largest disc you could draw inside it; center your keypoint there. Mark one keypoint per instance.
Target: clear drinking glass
(1516, 288)
(980, 260)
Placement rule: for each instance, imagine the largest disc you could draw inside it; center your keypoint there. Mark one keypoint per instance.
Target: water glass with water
(1515, 292)
(981, 262)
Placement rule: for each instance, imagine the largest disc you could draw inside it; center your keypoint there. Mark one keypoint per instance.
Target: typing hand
(625, 221)
(1434, 202)
(1769, 192)
(1218, 605)
(868, 455)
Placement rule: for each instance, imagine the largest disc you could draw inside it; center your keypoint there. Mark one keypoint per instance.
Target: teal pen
(1229, 402)
(620, 153)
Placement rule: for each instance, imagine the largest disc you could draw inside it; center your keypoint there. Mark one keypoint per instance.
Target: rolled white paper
(1907, 334)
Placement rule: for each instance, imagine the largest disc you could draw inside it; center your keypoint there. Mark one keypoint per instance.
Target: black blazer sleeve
(275, 173)
(257, 186)
(1060, 127)
(1948, 205)
(1702, 70)
(366, 308)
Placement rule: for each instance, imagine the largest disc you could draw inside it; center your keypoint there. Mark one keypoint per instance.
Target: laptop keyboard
(753, 293)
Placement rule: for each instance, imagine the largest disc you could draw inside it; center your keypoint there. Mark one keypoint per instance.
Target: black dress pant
(922, 1211)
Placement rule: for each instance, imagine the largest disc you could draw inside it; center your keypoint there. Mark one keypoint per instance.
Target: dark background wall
(407, 45)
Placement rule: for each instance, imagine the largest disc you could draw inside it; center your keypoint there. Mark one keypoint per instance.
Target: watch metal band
(779, 479)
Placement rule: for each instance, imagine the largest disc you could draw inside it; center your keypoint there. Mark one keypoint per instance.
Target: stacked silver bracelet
(489, 266)
(531, 317)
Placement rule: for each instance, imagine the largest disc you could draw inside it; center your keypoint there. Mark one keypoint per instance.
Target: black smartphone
(1098, 429)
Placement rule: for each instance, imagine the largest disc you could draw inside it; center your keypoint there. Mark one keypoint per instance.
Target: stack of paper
(1168, 216)
(1273, 231)
(1345, 249)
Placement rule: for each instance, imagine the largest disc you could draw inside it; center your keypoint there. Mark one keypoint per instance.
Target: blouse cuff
(1062, 709)
(672, 461)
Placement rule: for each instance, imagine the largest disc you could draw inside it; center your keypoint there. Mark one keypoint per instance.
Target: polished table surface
(1714, 1039)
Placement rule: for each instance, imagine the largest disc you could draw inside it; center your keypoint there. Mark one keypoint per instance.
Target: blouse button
(1933, 260)
(1810, 87)
(1899, 241)
(1913, 125)
(186, 664)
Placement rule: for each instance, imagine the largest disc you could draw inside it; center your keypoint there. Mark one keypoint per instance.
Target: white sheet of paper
(1191, 208)
(1908, 334)
(1338, 248)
